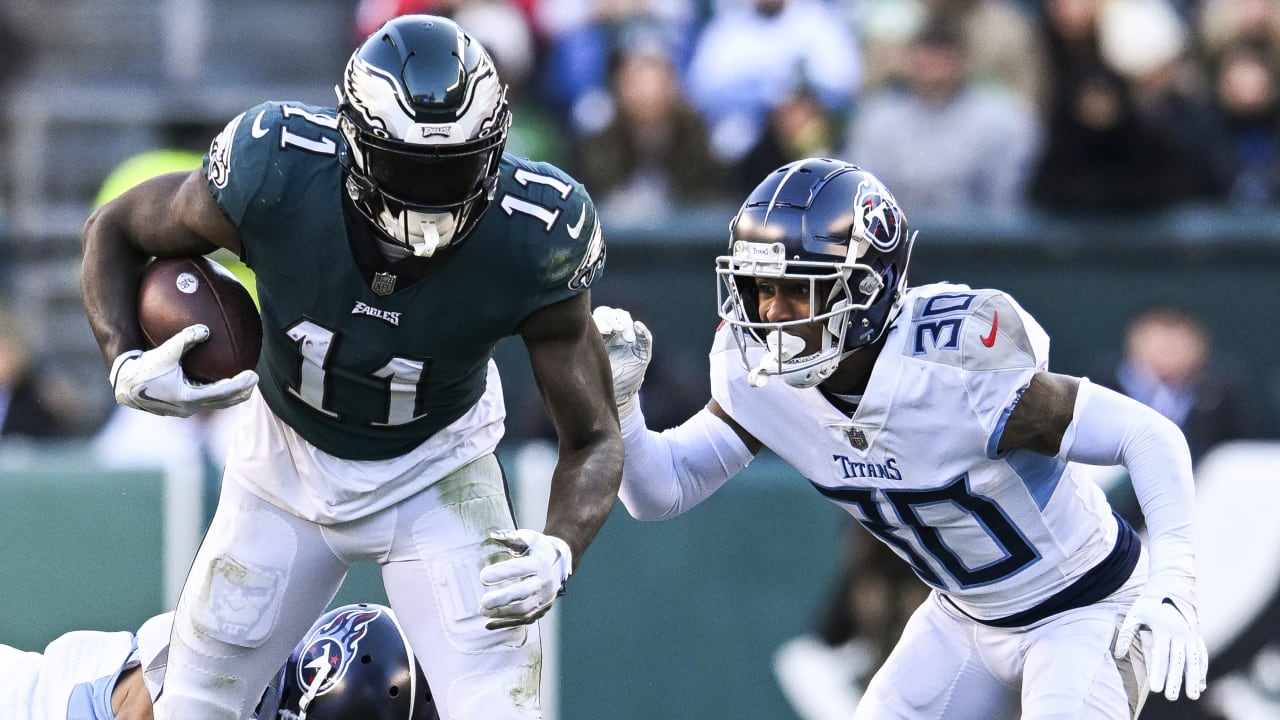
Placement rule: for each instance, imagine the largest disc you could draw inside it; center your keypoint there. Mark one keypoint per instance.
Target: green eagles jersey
(363, 375)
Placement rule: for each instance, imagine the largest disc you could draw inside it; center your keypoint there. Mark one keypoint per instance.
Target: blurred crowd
(958, 105)
(1064, 105)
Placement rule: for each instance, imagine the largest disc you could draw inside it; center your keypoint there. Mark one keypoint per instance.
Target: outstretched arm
(669, 472)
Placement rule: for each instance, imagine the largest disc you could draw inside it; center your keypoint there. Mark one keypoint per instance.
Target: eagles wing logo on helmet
(374, 93)
(380, 101)
(331, 649)
(877, 216)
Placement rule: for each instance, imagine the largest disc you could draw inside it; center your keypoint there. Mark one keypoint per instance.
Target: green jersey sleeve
(556, 228)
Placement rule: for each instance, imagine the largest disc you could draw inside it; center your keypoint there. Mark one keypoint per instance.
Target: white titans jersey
(75, 675)
(1002, 535)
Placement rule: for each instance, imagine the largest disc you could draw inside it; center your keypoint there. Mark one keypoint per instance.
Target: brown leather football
(177, 292)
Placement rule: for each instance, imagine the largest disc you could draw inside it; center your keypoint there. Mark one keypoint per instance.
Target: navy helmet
(835, 226)
(353, 664)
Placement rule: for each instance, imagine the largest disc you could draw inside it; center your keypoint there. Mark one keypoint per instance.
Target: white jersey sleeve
(75, 675)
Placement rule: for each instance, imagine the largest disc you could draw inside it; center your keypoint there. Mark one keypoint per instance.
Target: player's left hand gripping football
(153, 380)
(522, 587)
(1176, 648)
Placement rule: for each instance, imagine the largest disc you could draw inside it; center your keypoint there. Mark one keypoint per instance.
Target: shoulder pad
(561, 222)
(975, 329)
(245, 161)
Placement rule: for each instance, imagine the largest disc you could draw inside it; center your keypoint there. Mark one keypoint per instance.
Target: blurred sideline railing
(683, 615)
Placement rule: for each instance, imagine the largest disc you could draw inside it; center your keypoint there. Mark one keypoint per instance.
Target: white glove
(153, 380)
(630, 346)
(1173, 646)
(523, 586)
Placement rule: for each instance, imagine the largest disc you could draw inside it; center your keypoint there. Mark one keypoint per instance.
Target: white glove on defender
(153, 380)
(1175, 645)
(523, 586)
(630, 347)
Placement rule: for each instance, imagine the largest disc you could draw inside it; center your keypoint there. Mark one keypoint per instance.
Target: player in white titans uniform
(369, 674)
(84, 675)
(930, 415)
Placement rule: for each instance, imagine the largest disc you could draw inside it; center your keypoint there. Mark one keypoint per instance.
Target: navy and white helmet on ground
(424, 119)
(835, 226)
(353, 664)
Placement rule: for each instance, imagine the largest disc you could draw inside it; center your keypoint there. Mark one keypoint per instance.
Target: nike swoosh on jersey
(990, 340)
(257, 130)
(576, 229)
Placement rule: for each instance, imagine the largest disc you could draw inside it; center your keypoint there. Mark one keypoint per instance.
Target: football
(177, 292)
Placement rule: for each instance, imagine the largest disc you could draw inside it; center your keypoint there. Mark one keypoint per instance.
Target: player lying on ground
(929, 413)
(354, 664)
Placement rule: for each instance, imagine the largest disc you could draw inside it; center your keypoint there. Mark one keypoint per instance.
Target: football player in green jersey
(394, 243)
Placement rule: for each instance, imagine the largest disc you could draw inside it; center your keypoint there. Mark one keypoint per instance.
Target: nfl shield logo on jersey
(857, 438)
(383, 283)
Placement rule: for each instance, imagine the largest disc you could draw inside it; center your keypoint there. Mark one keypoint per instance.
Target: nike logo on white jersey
(257, 130)
(576, 229)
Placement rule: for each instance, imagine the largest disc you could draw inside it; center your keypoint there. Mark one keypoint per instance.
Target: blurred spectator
(1225, 24)
(182, 145)
(371, 14)
(1001, 45)
(799, 126)
(1138, 37)
(1168, 364)
(751, 53)
(652, 153)
(14, 52)
(36, 401)
(1243, 142)
(581, 37)
(1100, 154)
(1148, 43)
(884, 29)
(999, 39)
(943, 142)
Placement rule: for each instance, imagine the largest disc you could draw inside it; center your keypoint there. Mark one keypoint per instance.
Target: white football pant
(262, 577)
(947, 666)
